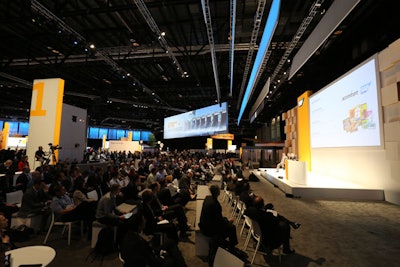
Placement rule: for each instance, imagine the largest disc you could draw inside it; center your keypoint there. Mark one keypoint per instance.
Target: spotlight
(92, 46)
(162, 33)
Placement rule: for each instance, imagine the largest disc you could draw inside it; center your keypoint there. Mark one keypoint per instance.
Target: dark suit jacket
(165, 197)
(32, 202)
(22, 181)
(211, 220)
(136, 252)
(246, 198)
(269, 224)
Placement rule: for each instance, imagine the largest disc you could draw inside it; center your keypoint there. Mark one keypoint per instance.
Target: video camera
(53, 148)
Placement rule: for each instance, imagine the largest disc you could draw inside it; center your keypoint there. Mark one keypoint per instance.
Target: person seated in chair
(185, 184)
(36, 202)
(169, 212)
(108, 214)
(214, 225)
(137, 252)
(6, 243)
(154, 222)
(282, 163)
(24, 180)
(246, 195)
(40, 155)
(65, 210)
(275, 230)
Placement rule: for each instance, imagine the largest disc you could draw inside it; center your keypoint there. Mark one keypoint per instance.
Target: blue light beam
(269, 30)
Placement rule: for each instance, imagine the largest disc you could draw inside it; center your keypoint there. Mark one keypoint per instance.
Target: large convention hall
(207, 133)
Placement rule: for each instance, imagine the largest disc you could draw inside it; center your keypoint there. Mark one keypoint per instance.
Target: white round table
(31, 255)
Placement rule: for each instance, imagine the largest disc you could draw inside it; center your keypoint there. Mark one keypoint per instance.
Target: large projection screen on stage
(200, 122)
(346, 112)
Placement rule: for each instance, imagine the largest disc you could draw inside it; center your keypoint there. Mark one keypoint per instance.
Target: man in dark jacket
(212, 223)
(136, 252)
(35, 202)
(275, 229)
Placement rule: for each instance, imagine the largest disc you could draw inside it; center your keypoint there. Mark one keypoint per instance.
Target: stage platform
(318, 187)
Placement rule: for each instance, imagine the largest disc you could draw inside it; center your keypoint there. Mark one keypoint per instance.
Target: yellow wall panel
(304, 149)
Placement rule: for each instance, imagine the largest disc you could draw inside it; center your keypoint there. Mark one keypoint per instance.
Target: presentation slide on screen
(346, 112)
(201, 122)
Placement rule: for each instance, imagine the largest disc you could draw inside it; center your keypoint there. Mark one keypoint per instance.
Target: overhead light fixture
(162, 33)
(269, 30)
(92, 46)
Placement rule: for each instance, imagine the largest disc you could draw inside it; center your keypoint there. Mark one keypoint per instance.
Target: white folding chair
(255, 233)
(67, 225)
(235, 202)
(246, 223)
(241, 209)
(225, 191)
(224, 258)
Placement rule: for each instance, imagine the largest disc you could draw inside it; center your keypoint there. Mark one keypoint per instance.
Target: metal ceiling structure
(134, 75)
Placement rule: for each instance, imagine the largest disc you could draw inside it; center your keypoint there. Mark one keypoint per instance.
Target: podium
(296, 172)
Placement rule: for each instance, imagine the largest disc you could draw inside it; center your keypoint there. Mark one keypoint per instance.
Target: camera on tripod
(53, 148)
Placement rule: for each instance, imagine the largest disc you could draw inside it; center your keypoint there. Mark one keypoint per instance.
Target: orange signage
(226, 136)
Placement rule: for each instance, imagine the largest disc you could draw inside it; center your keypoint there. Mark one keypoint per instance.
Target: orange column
(303, 128)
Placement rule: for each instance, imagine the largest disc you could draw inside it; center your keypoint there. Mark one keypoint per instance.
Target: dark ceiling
(133, 79)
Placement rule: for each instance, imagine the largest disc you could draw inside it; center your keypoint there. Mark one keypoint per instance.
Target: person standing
(40, 155)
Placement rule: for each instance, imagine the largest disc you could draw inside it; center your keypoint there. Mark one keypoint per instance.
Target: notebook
(125, 207)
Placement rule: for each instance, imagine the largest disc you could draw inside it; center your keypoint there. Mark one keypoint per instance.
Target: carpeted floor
(332, 233)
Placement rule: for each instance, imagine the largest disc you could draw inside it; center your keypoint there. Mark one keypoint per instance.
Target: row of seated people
(39, 199)
(275, 227)
(134, 249)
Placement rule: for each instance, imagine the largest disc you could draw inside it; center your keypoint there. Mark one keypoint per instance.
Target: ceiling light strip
(296, 38)
(336, 13)
(269, 30)
(232, 44)
(253, 42)
(207, 20)
(39, 8)
(303, 26)
(154, 27)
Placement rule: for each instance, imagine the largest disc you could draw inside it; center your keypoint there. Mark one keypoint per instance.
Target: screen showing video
(206, 121)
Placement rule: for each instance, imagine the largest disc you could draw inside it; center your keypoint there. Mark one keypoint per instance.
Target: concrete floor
(332, 233)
